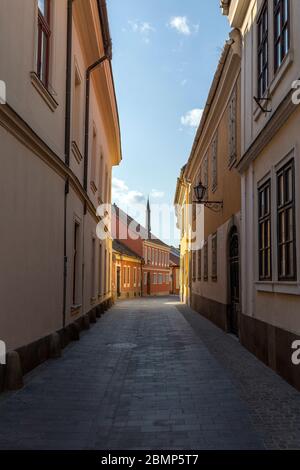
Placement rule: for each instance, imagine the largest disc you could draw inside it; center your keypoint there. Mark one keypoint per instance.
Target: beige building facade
(209, 277)
(60, 139)
(270, 175)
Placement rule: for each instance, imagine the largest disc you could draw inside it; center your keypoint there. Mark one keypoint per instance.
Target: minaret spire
(148, 218)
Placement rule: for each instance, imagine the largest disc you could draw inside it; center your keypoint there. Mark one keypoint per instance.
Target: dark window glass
(262, 52)
(286, 223)
(44, 34)
(281, 31)
(264, 224)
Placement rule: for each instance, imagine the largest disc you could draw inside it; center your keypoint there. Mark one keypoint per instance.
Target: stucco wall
(31, 249)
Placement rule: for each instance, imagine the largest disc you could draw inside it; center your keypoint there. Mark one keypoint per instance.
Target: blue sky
(165, 53)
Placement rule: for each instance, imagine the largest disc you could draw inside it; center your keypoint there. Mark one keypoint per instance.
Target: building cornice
(16, 126)
(277, 120)
(95, 42)
(221, 87)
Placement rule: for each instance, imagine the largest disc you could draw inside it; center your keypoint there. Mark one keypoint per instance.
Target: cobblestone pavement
(151, 374)
(273, 404)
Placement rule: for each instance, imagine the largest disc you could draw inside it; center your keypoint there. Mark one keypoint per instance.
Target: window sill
(76, 152)
(93, 300)
(278, 287)
(42, 90)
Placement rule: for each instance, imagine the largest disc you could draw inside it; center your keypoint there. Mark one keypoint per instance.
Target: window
(286, 238)
(93, 258)
(105, 271)
(44, 33)
(100, 181)
(145, 279)
(262, 52)
(76, 113)
(214, 163)
(194, 265)
(154, 278)
(75, 262)
(199, 264)
(205, 274)
(134, 277)
(232, 128)
(264, 237)
(94, 160)
(100, 271)
(214, 257)
(281, 31)
(128, 276)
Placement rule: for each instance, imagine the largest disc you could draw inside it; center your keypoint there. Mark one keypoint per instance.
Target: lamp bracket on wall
(215, 206)
(200, 192)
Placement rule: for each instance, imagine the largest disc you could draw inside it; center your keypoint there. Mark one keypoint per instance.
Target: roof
(140, 230)
(174, 256)
(124, 250)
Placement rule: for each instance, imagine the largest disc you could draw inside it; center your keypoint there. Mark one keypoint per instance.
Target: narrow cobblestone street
(152, 374)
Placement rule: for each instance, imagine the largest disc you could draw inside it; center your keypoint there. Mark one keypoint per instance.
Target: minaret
(148, 219)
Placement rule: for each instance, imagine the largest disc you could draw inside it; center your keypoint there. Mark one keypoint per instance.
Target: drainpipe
(103, 17)
(67, 143)
(88, 73)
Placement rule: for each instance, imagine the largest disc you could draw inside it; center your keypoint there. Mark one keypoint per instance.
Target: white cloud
(192, 118)
(124, 196)
(144, 28)
(182, 26)
(156, 194)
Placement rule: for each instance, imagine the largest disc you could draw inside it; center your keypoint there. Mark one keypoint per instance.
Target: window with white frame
(283, 217)
(286, 232)
(281, 31)
(262, 51)
(264, 231)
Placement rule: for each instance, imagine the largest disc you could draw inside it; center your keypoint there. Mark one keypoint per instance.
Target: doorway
(234, 281)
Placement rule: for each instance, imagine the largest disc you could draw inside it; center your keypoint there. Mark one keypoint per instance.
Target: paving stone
(146, 376)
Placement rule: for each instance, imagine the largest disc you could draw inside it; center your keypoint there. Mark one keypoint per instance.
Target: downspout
(67, 144)
(107, 45)
(89, 70)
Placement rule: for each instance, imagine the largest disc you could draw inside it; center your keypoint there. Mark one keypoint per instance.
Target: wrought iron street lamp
(200, 192)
